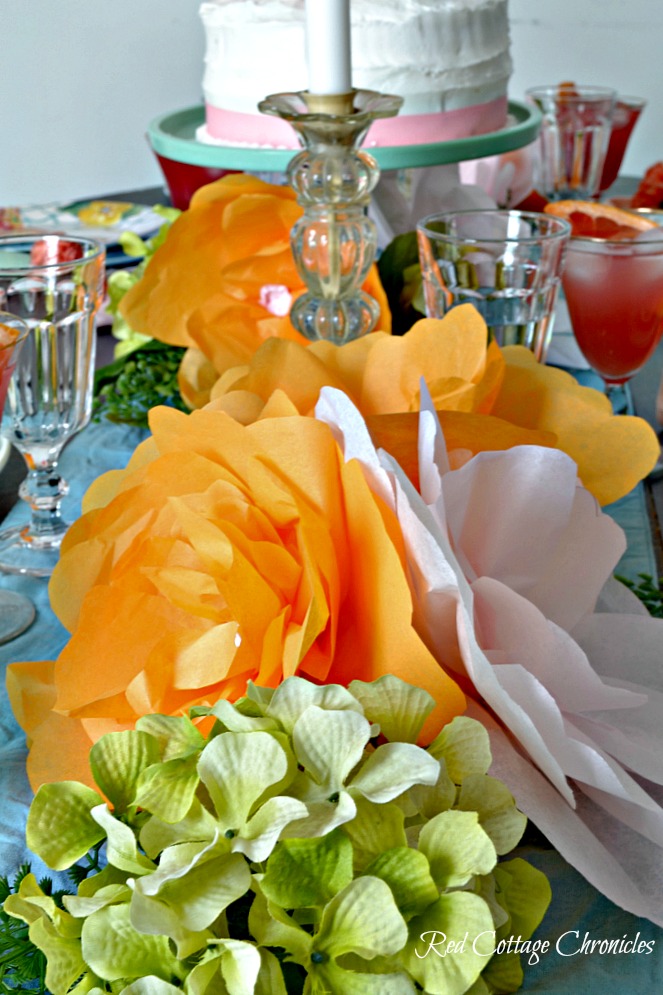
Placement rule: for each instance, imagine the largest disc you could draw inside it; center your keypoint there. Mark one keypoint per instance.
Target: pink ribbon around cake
(256, 130)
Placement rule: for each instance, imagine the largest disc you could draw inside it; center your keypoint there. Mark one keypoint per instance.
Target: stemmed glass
(614, 292)
(55, 285)
(626, 114)
(16, 611)
(573, 141)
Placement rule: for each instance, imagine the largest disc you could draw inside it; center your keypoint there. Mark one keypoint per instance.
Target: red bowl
(184, 179)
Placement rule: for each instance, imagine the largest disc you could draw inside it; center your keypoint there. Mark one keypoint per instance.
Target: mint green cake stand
(173, 136)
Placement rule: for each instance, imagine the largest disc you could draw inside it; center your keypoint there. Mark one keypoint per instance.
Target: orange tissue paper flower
(499, 398)
(224, 279)
(223, 553)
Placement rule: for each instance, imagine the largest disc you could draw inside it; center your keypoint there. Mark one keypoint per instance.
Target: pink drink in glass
(625, 117)
(614, 292)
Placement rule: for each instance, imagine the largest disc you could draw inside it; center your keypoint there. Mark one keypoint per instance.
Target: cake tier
(448, 59)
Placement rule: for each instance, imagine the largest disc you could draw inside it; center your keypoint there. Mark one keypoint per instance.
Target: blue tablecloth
(578, 914)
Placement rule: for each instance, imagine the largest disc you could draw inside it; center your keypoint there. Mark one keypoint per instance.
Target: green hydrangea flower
(307, 844)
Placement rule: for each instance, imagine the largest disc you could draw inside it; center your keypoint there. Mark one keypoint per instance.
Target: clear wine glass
(16, 611)
(55, 284)
(614, 292)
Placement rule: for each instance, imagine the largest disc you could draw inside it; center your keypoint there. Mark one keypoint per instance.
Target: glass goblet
(16, 611)
(573, 141)
(55, 284)
(614, 292)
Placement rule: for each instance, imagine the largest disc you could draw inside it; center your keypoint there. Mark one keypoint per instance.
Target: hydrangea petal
(392, 769)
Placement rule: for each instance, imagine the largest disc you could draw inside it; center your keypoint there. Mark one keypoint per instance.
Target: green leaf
(323, 816)
(486, 887)
(400, 709)
(302, 873)
(407, 873)
(526, 892)
(273, 927)
(30, 903)
(196, 883)
(375, 828)
(258, 696)
(64, 958)
(504, 972)
(198, 824)
(464, 746)
(236, 721)
(230, 967)
(330, 744)
(176, 734)
(113, 949)
(392, 769)
(117, 760)
(240, 966)
(167, 789)
(436, 798)
(496, 808)
(81, 906)
(262, 831)
(121, 848)
(338, 981)
(238, 769)
(294, 695)
(457, 848)
(440, 953)
(60, 828)
(108, 876)
(270, 979)
(156, 918)
(394, 262)
(361, 919)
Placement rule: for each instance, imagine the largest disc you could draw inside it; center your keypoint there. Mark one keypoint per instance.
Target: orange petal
(613, 452)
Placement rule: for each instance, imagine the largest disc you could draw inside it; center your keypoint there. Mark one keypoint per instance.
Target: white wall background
(606, 42)
(81, 79)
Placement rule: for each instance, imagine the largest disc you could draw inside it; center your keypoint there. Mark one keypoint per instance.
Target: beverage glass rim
(7, 318)
(92, 249)
(623, 243)
(559, 229)
(629, 101)
(581, 93)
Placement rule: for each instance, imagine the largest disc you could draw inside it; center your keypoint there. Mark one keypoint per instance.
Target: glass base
(619, 396)
(17, 614)
(26, 558)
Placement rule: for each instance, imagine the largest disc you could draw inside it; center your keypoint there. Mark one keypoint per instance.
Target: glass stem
(43, 489)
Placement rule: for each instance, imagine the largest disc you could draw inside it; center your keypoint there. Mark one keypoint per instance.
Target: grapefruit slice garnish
(592, 219)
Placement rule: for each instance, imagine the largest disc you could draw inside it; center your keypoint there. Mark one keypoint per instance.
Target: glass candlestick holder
(334, 243)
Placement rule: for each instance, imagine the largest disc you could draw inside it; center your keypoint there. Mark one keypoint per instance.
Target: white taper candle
(328, 55)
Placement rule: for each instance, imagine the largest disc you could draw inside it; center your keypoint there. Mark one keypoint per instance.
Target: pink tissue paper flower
(510, 563)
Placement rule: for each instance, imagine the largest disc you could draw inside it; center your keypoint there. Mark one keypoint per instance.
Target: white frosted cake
(448, 59)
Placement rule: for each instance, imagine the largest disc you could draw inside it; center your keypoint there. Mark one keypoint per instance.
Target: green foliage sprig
(650, 593)
(305, 843)
(21, 962)
(400, 274)
(128, 388)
